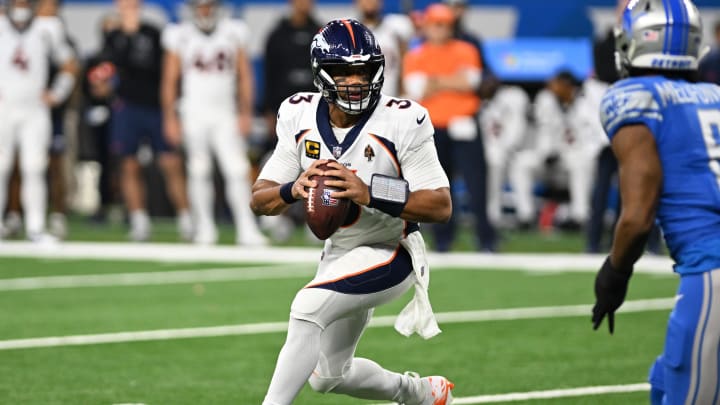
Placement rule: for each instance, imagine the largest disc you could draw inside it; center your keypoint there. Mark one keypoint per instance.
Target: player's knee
(656, 378)
(33, 166)
(324, 384)
(199, 167)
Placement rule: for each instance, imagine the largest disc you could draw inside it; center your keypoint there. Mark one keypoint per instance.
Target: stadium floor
(99, 323)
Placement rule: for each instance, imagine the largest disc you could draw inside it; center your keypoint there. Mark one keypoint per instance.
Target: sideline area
(173, 252)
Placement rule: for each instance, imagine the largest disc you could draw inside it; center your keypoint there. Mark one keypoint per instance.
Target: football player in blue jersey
(665, 132)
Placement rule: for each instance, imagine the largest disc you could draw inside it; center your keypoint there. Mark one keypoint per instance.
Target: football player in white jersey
(387, 165)
(392, 32)
(567, 134)
(28, 44)
(215, 114)
(503, 119)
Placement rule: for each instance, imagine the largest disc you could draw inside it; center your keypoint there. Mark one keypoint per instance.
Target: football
(323, 213)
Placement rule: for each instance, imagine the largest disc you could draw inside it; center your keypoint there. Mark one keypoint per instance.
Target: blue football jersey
(684, 118)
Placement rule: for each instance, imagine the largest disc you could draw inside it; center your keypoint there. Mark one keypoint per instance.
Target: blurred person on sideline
(214, 115)
(444, 75)
(97, 90)
(136, 53)
(567, 139)
(31, 43)
(664, 128)
(504, 123)
(709, 69)
(392, 31)
(287, 71)
(459, 8)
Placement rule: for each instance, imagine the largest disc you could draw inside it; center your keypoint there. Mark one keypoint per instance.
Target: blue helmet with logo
(341, 48)
(658, 35)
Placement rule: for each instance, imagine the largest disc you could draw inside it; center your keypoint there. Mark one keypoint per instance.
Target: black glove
(610, 290)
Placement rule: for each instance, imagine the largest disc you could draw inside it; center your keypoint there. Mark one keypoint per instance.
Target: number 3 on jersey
(710, 124)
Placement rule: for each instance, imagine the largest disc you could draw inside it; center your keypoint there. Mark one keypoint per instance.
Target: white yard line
(169, 252)
(158, 278)
(276, 327)
(550, 394)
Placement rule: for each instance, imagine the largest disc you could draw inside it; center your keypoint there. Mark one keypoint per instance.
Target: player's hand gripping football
(610, 290)
(354, 188)
(301, 185)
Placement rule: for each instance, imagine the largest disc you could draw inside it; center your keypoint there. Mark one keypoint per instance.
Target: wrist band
(388, 194)
(286, 193)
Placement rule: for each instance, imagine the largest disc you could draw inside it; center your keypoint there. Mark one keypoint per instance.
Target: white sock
(139, 218)
(296, 362)
(33, 193)
(367, 380)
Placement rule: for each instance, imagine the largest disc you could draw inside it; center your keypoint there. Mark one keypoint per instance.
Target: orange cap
(439, 13)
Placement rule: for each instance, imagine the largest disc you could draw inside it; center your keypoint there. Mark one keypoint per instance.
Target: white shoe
(139, 231)
(185, 227)
(57, 225)
(252, 238)
(433, 390)
(43, 238)
(205, 237)
(280, 227)
(13, 225)
(439, 390)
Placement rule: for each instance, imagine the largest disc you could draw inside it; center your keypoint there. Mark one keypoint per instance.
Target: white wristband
(62, 86)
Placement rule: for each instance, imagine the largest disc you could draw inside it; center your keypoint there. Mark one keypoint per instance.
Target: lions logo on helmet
(341, 47)
(658, 35)
(205, 14)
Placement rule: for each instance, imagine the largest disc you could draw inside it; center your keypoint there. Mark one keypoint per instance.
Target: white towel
(417, 316)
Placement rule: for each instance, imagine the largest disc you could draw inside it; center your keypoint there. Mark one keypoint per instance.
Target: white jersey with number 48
(208, 62)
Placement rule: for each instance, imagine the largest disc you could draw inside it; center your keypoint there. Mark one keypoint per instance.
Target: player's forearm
(168, 84)
(428, 206)
(631, 233)
(246, 85)
(266, 199)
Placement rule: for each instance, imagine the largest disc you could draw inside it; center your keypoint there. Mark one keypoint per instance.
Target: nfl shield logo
(337, 151)
(326, 199)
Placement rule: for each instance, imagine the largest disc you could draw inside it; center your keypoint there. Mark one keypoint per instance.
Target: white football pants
(528, 164)
(210, 133)
(27, 131)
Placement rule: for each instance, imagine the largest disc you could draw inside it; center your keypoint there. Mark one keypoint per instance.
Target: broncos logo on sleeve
(630, 101)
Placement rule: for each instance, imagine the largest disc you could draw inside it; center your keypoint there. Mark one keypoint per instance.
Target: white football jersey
(504, 118)
(395, 140)
(576, 127)
(25, 57)
(392, 35)
(209, 71)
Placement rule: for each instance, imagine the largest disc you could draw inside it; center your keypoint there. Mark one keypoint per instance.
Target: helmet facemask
(352, 98)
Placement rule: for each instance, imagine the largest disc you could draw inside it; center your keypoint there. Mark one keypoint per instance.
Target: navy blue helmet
(341, 48)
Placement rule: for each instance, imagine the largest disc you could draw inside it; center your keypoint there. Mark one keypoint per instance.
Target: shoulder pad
(629, 101)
